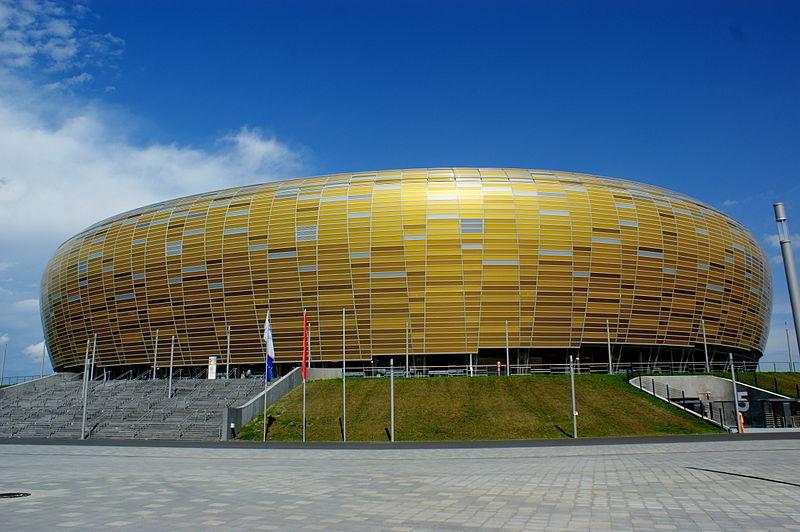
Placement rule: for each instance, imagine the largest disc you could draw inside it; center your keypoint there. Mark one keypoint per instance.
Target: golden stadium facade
(448, 254)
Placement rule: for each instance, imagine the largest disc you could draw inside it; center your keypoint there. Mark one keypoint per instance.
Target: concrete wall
(240, 415)
(708, 388)
(315, 374)
(705, 387)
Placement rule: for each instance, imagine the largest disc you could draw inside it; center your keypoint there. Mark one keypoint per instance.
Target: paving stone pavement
(662, 486)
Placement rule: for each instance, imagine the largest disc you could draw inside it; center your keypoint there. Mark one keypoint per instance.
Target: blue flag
(270, 347)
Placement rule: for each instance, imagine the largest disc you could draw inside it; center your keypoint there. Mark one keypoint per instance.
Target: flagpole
(155, 357)
(3, 365)
(41, 365)
(171, 360)
(705, 345)
(391, 399)
(266, 377)
(228, 354)
(572, 398)
(94, 350)
(85, 387)
(508, 361)
(304, 368)
(269, 360)
(608, 344)
(344, 385)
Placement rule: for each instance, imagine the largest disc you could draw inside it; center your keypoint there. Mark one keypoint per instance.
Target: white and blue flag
(270, 347)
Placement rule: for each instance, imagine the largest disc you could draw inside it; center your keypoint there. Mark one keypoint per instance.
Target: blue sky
(108, 105)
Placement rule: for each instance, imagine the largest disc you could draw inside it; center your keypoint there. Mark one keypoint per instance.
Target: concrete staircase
(52, 408)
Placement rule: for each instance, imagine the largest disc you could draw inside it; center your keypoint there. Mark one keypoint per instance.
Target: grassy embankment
(784, 383)
(478, 408)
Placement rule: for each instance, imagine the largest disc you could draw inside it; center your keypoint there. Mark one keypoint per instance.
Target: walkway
(711, 485)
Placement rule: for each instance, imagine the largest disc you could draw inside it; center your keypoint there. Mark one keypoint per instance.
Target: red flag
(303, 368)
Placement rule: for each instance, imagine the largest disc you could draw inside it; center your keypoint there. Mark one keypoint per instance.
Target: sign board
(212, 367)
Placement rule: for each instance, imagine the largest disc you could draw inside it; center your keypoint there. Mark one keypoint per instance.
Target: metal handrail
(140, 424)
(129, 372)
(137, 426)
(530, 369)
(18, 379)
(671, 398)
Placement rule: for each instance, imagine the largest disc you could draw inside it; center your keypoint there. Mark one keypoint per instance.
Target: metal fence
(778, 366)
(19, 379)
(361, 369)
(456, 370)
(240, 415)
(720, 413)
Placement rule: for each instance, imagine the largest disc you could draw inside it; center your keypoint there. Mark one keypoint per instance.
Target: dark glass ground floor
(589, 358)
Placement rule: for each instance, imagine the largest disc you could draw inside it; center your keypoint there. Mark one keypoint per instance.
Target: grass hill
(782, 382)
(477, 408)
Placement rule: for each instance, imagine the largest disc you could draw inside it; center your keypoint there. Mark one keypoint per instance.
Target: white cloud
(774, 241)
(67, 161)
(27, 305)
(4, 338)
(59, 176)
(70, 82)
(776, 348)
(50, 36)
(730, 202)
(34, 351)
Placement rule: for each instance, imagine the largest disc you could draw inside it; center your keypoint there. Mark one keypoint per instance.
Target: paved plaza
(687, 485)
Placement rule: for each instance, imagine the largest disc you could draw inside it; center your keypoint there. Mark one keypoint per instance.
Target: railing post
(508, 358)
(735, 395)
(407, 329)
(41, 364)
(391, 398)
(608, 341)
(3, 364)
(155, 357)
(344, 384)
(171, 359)
(572, 397)
(85, 389)
(228, 354)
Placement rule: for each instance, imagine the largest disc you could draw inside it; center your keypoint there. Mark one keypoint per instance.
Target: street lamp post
(788, 266)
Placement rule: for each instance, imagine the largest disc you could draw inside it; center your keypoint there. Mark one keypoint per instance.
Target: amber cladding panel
(451, 253)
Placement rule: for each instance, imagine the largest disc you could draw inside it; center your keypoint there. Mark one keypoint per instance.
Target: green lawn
(781, 382)
(477, 408)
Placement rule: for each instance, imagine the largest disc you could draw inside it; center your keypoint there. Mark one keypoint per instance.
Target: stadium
(446, 264)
